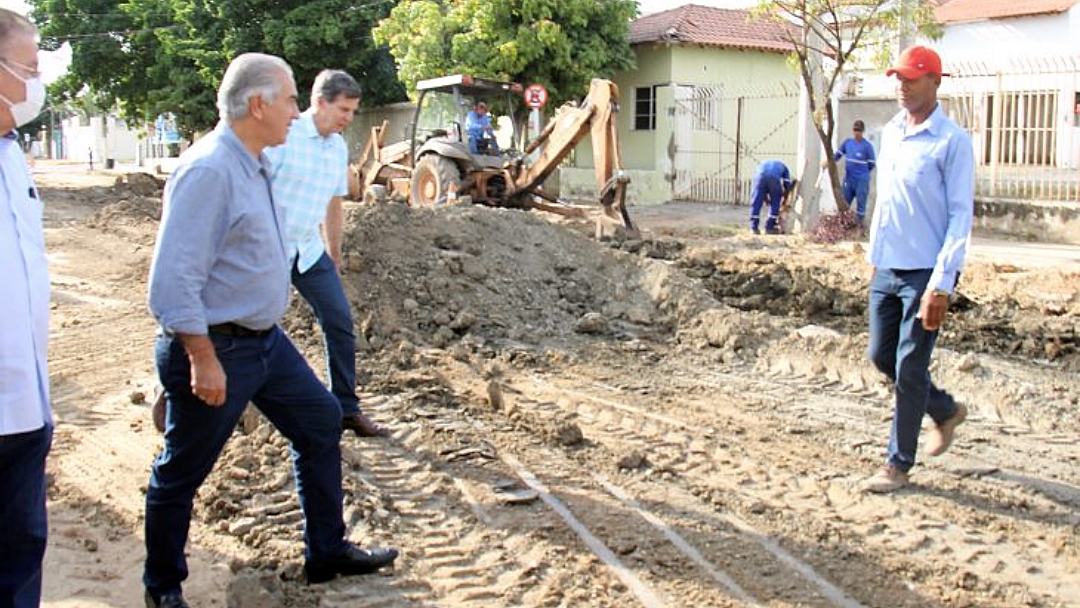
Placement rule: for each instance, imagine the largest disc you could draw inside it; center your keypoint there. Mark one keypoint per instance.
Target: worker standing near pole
(860, 162)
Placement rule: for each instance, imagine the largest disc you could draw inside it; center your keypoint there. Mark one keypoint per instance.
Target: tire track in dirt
(928, 533)
(452, 554)
(723, 545)
(667, 576)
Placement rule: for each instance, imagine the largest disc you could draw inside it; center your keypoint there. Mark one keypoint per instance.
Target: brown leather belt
(237, 331)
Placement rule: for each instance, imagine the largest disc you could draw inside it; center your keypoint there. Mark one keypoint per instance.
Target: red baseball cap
(915, 62)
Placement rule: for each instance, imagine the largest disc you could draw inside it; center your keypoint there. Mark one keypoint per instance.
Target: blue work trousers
(766, 187)
(321, 288)
(272, 374)
(23, 526)
(857, 189)
(900, 348)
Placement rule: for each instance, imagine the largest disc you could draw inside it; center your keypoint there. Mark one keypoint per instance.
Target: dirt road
(673, 422)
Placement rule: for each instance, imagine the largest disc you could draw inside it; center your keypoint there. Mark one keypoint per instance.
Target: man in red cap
(918, 240)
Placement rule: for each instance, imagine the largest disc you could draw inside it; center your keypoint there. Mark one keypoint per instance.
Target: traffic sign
(535, 96)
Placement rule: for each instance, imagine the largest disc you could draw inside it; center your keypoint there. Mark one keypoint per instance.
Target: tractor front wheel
(433, 178)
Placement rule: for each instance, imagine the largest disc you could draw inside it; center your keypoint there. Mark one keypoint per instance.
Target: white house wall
(105, 137)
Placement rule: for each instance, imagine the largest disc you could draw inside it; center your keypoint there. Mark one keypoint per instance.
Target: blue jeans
(24, 528)
(766, 187)
(321, 287)
(272, 374)
(900, 348)
(858, 190)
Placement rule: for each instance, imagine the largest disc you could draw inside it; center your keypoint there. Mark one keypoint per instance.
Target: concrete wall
(645, 188)
(1052, 222)
(1004, 38)
(398, 115)
(107, 137)
(729, 68)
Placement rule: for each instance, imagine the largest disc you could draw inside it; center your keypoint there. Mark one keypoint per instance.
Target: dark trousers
(900, 348)
(321, 287)
(766, 187)
(272, 374)
(23, 526)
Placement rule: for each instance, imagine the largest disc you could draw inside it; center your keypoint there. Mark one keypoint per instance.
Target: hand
(208, 379)
(932, 310)
(207, 375)
(335, 257)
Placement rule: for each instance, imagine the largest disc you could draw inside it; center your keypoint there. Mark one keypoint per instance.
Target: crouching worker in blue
(772, 181)
(219, 283)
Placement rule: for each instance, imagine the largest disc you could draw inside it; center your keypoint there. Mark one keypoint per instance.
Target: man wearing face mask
(310, 177)
(25, 417)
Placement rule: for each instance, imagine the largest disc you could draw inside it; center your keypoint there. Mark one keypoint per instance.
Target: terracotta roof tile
(972, 10)
(709, 26)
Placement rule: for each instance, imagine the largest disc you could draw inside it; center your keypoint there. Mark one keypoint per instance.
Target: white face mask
(29, 108)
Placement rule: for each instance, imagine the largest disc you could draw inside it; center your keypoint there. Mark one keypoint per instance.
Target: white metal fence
(1024, 119)
(722, 135)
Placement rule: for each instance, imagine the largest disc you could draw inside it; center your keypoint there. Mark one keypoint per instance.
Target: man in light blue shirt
(310, 177)
(860, 162)
(26, 422)
(219, 283)
(918, 239)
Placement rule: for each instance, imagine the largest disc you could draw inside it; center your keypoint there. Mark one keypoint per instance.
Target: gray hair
(11, 25)
(329, 84)
(249, 75)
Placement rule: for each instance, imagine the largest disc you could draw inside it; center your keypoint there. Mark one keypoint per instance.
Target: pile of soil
(133, 201)
(483, 278)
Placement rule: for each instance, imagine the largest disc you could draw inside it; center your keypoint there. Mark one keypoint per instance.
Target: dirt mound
(133, 201)
(127, 212)
(497, 277)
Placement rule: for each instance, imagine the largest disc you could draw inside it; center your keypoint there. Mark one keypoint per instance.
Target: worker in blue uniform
(860, 162)
(772, 181)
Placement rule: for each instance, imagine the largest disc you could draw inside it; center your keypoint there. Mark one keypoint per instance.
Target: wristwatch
(939, 292)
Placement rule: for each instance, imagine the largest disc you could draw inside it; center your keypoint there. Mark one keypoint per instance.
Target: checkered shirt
(308, 170)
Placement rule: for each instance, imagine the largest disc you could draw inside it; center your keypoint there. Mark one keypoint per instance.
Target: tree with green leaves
(561, 44)
(827, 36)
(155, 56)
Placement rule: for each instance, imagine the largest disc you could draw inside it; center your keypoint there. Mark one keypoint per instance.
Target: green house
(712, 96)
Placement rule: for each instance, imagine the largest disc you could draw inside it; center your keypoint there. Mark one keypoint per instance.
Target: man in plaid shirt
(310, 177)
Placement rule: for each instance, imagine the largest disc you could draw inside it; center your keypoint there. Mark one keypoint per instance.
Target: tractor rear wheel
(433, 178)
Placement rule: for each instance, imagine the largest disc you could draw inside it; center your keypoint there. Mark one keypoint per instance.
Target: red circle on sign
(535, 96)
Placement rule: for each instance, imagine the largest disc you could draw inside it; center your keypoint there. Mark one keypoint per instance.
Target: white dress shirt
(24, 298)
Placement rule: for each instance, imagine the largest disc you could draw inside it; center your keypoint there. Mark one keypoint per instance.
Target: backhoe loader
(435, 165)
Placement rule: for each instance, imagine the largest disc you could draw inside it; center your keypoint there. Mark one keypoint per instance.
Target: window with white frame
(645, 108)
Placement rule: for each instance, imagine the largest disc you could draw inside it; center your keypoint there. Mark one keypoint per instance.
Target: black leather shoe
(354, 561)
(362, 426)
(168, 600)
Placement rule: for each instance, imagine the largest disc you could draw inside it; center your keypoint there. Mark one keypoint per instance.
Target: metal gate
(1024, 118)
(720, 136)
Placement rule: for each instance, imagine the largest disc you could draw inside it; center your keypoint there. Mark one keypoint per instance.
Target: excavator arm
(595, 116)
